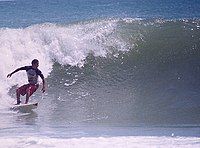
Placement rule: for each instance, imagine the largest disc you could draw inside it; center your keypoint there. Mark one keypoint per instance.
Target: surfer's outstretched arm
(18, 69)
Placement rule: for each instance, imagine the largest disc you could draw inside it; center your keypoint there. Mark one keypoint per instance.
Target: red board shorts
(31, 88)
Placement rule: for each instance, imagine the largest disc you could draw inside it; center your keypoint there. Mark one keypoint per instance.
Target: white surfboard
(25, 107)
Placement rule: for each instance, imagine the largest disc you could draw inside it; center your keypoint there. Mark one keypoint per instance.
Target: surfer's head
(35, 63)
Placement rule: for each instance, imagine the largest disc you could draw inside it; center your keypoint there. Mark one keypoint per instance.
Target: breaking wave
(125, 71)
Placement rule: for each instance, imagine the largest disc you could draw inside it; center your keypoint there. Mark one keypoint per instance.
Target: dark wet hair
(34, 61)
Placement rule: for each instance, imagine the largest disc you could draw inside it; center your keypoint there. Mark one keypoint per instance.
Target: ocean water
(119, 73)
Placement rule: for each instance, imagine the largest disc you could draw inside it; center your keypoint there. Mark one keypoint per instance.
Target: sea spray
(68, 45)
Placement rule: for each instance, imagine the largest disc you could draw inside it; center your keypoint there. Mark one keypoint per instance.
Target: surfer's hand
(9, 75)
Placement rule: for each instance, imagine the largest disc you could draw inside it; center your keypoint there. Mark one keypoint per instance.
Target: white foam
(131, 20)
(48, 42)
(101, 142)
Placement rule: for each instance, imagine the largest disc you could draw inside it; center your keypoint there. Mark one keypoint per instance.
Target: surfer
(32, 86)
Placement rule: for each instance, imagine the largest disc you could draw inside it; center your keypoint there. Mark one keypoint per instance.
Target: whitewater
(118, 73)
(117, 142)
(49, 43)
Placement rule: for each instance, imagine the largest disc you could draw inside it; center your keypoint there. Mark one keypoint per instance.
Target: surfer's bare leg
(18, 96)
(29, 91)
(27, 97)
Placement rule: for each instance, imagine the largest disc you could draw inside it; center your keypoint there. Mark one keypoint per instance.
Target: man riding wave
(32, 73)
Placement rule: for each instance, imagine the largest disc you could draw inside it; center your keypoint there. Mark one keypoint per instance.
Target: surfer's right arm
(18, 69)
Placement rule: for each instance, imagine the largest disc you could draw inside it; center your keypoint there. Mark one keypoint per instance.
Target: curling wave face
(124, 71)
